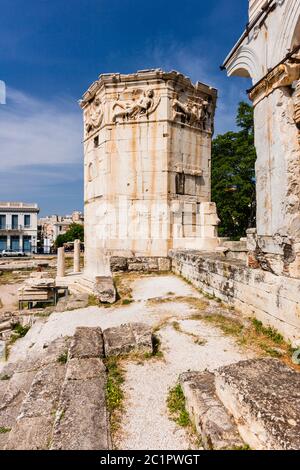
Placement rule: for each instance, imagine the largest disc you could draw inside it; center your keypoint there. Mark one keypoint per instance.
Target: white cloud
(38, 132)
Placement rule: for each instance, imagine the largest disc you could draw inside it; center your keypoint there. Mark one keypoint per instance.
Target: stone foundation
(275, 300)
(150, 264)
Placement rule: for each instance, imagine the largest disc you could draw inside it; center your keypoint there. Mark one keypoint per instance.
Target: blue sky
(51, 51)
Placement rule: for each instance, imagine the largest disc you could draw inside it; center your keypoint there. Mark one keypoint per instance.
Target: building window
(15, 243)
(14, 221)
(27, 220)
(26, 244)
(96, 141)
(180, 183)
(3, 243)
(2, 222)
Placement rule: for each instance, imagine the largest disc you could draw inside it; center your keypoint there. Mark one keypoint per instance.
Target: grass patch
(9, 277)
(18, 331)
(228, 325)
(4, 377)
(244, 447)
(176, 406)
(4, 430)
(127, 301)
(267, 331)
(194, 302)
(93, 301)
(63, 358)
(264, 340)
(122, 283)
(114, 392)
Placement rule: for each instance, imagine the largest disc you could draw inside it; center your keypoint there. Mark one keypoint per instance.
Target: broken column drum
(61, 262)
(76, 256)
(147, 157)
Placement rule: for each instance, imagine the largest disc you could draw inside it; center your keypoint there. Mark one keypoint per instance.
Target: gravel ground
(146, 424)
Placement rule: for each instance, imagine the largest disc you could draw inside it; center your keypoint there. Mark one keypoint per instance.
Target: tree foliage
(233, 176)
(75, 232)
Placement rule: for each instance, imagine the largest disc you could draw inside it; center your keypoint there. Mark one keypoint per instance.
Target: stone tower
(147, 158)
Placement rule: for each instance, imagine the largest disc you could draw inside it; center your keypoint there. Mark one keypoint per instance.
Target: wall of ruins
(147, 154)
(272, 299)
(262, 55)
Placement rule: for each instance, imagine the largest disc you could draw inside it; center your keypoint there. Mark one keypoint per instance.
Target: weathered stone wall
(269, 54)
(149, 264)
(275, 300)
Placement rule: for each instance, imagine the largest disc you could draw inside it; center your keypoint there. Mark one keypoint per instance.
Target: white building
(18, 226)
(52, 226)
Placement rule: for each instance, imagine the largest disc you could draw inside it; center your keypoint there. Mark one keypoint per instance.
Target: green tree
(233, 176)
(75, 232)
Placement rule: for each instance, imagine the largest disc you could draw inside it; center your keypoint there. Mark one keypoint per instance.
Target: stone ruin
(147, 148)
(56, 401)
(147, 199)
(147, 153)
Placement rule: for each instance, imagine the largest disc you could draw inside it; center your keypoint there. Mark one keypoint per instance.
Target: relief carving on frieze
(141, 105)
(94, 116)
(196, 113)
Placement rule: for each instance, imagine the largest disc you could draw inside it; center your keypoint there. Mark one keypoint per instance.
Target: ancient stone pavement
(53, 390)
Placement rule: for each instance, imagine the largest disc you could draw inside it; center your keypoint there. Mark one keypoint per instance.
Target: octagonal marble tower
(147, 158)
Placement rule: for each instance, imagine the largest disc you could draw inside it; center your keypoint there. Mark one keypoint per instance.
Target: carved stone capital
(282, 76)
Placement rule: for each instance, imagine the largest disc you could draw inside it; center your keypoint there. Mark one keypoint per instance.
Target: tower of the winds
(147, 157)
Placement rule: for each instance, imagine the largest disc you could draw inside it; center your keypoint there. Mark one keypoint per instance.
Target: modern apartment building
(18, 226)
(52, 226)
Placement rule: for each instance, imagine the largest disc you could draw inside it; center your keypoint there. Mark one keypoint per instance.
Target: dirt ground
(174, 309)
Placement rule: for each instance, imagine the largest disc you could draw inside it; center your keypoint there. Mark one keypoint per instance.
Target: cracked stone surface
(264, 397)
(145, 423)
(132, 337)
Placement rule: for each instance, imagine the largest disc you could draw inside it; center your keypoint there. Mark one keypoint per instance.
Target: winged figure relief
(145, 105)
(193, 113)
(94, 116)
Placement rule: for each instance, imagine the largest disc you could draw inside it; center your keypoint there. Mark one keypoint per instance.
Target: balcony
(15, 228)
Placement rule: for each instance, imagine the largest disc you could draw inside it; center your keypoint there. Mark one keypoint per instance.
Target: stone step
(128, 338)
(14, 391)
(263, 395)
(82, 420)
(33, 427)
(214, 424)
(18, 379)
(76, 289)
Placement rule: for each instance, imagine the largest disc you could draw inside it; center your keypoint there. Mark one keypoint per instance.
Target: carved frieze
(196, 113)
(93, 116)
(141, 105)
